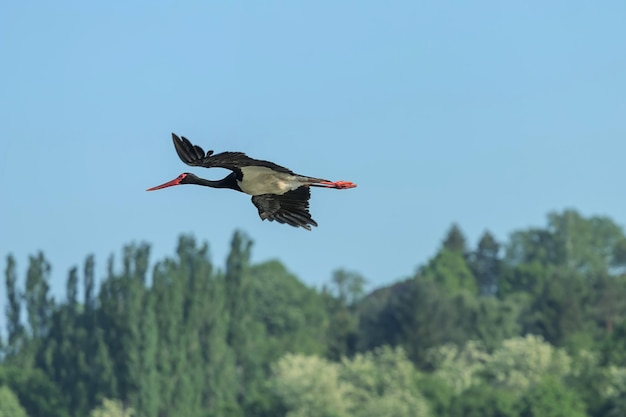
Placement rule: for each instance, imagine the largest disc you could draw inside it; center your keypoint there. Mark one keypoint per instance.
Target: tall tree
(419, 316)
(609, 300)
(192, 321)
(173, 280)
(100, 377)
(245, 334)
(347, 286)
(203, 335)
(486, 265)
(37, 394)
(455, 240)
(89, 283)
(561, 309)
(293, 315)
(619, 256)
(341, 303)
(144, 368)
(450, 270)
(15, 328)
(571, 241)
(39, 302)
(122, 298)
(98, 370)
(71, 288)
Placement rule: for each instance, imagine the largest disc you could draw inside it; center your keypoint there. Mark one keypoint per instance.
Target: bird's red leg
(337, 184)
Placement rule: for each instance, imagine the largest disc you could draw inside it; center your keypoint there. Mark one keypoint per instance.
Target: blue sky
(489, 114)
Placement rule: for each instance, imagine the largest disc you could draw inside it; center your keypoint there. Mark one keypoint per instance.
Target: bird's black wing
(194, 155)
(291, 208)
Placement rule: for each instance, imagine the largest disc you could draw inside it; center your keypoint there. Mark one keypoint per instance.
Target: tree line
(532, 326)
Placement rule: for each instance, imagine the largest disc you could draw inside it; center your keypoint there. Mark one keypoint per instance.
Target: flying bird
(278, 193)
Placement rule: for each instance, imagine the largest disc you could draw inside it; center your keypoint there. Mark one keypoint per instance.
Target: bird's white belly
(262, 180)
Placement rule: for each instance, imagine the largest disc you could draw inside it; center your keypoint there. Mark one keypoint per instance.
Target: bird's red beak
(175, 181)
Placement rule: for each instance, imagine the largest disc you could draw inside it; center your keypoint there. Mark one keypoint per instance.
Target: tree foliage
(534, 329)
(111, 408)
(382, 382)
(9, 404)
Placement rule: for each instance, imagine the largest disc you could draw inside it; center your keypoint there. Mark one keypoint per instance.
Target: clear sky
(489, 114)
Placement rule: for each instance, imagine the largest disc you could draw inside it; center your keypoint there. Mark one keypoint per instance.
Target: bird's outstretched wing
(291, 208)
(194, 155)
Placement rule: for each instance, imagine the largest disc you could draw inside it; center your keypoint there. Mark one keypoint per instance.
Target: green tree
(89, 284)
(139, 337)
(341, 298)
(614, 346)
(492, 320)
(245, 334)
(486, 265)
(418, 316)
(37, 394)
(379, 383)
(560, 309)
(484, 400)
(347, 287)
(516, 366)
(521, 363)
(293, 315)
(144, 365)
(455, 240)
(130, 337)
(597, 386)
(59, 357)
(373, 330)
(15, 328)
(168, 290)
(310, 386)
(98, 372)
(436, 391)
(459, 368)
(450, 270)
(9, 404)
(550, 398)
(586, 244)
(39, 302)
(526, 278)
(71, 289)
(571, 241)
(112, 408)
(619, 256)
(85, 345)
(609, 300)
(383, 383)
(193, 322)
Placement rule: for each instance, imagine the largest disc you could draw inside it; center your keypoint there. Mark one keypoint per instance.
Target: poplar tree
(39, 302)
(15, 329)
(245, 335)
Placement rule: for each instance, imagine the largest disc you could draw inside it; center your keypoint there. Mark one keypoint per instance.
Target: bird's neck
(226, 182)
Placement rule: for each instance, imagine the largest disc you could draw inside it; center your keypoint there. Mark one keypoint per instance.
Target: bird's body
(257, 180)
(278, 193)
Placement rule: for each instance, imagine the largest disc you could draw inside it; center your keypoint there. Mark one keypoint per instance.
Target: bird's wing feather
(291, 208)
(194, 155)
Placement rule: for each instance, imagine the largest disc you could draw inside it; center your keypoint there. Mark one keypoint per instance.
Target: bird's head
(184, 178)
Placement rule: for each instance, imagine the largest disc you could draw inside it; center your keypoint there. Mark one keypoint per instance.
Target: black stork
(277, 192)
